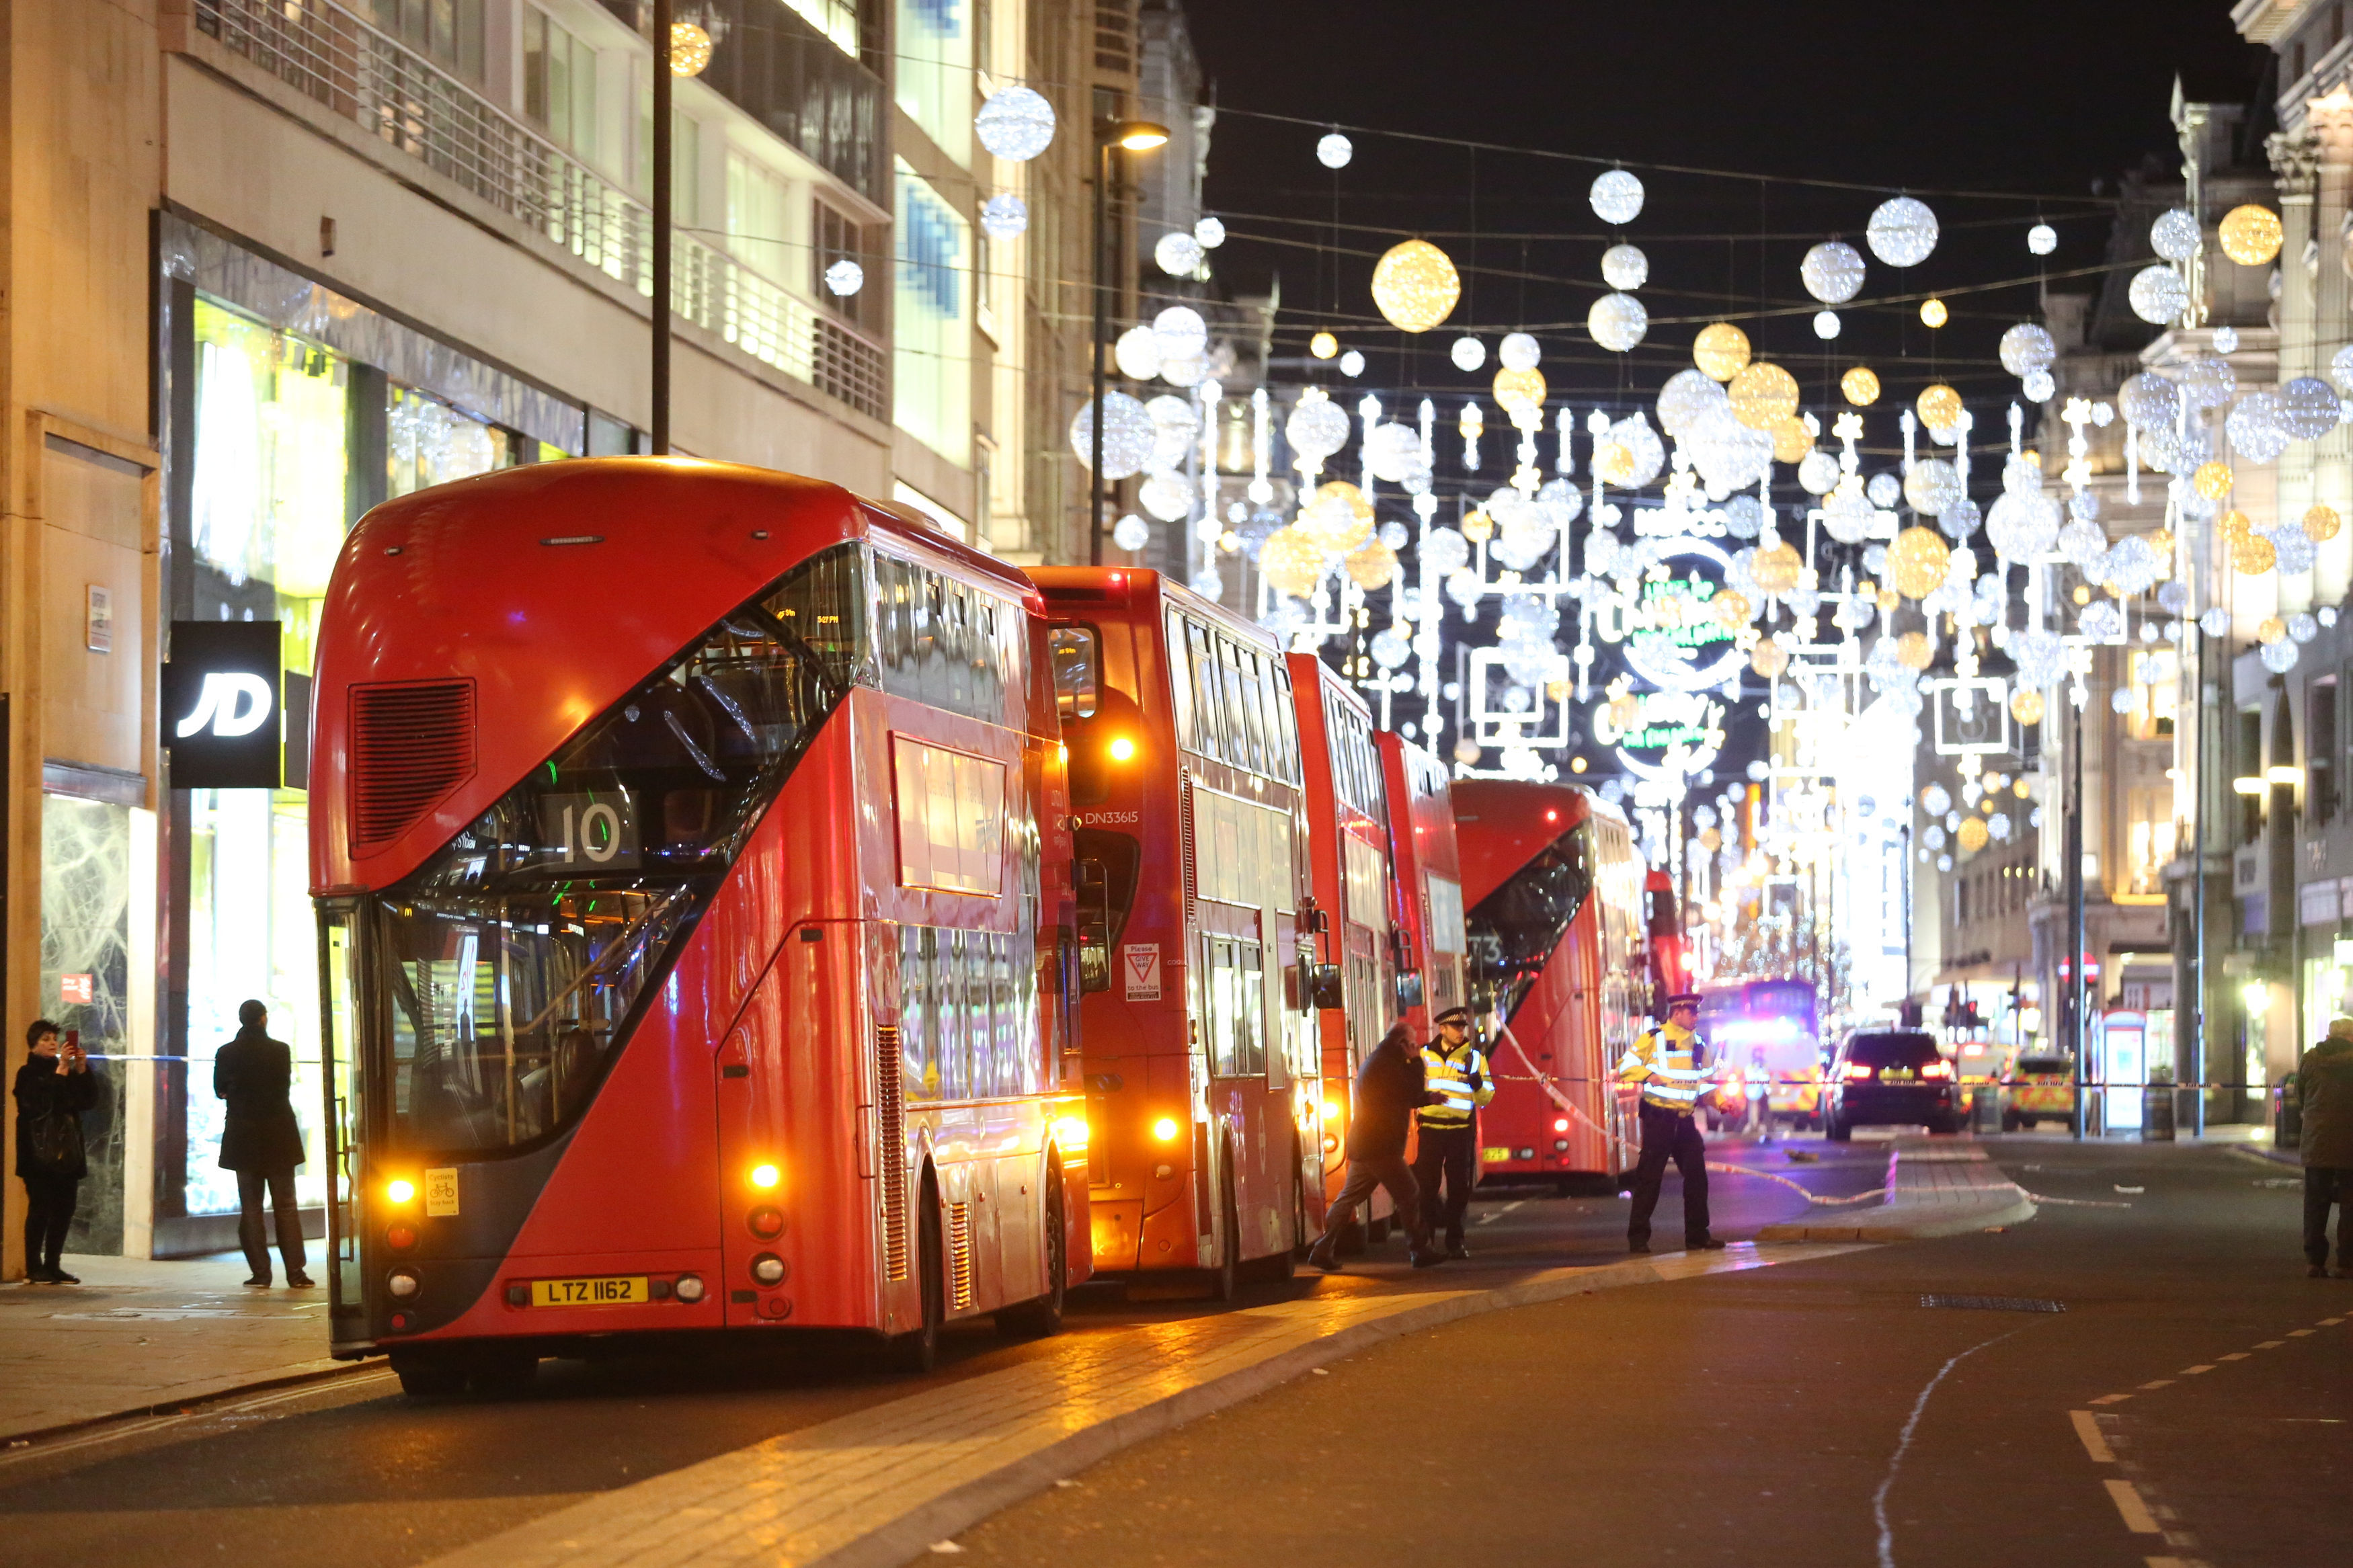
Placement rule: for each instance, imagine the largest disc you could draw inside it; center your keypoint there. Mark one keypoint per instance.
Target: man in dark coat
(261, 1142)
(1388, 1089)
(2325, 1081)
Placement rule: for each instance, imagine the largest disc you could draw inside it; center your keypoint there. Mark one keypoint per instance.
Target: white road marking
(153, 1422)
(2087, 1427)
(2137, 1518)
(1903, 1443)
(1493, 1214)
(2159, 1382)
(2235, 1355)
(2194, 1370)
(2109, 1399)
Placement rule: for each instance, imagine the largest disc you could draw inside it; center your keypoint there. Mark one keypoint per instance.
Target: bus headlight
(402, 1284)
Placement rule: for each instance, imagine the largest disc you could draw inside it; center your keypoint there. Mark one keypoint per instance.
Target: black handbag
(53, 1142)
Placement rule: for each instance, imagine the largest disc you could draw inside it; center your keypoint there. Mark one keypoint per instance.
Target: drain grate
(1994, 1303)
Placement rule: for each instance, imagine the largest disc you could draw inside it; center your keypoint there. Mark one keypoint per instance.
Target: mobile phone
(73, 1040)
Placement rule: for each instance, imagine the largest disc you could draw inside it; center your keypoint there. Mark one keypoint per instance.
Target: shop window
(2149, 838)
(759, 228)
(839, 238)
(932, 336)
(934, 45)
(559, 82)
(2250, 765)
(448, 32)
(427, 442)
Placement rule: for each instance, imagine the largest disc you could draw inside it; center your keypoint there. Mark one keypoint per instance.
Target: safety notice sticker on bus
(1140, 961)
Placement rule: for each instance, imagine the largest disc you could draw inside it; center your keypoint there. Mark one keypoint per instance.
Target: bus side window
(1180, 683)
(1253, 716)
(1220, 1021)
(924, 602)
(1270, 712)
(916, 1035)
(1009, 1065)
(1252, 987)
(1208, 706)
(1287, 720)
(960, 639)
(980, 1016)
(947, 1017)
(1078, 667)
(890, 621)
(1238, 735)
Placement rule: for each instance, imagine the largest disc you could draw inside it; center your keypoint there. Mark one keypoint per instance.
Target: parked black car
(1893, 1077)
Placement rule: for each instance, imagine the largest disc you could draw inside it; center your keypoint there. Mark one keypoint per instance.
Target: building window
(2156, 695)
(1115, 36)
(934, 79)
(2320, 748)
(932, 323)
(2250, 751)
(559, 83)
(759, 228)
(449, 32)
(836, 237)
(2148, 839)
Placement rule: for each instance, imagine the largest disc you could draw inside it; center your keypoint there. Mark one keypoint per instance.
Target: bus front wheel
(1035, 1320)
(918, 1350)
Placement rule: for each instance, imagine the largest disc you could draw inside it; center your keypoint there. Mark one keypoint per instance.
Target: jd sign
(220, 704)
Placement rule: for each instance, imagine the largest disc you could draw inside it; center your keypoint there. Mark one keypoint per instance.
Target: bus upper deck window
(1078, 670)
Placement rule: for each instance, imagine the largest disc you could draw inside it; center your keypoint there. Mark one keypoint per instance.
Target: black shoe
(300, 1282)
(60, 1277)
(39, 1273)
(2315, 1271)
(1641, 1247)
(1323, 1258)
(1705, 1244)
(1422, 1260)
(1457, 1250)
(258, 1282)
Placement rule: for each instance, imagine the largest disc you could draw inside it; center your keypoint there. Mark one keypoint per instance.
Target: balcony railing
(412, 105)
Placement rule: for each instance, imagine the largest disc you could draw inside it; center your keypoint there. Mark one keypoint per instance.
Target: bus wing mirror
(1324, 986)
(1408, 990)
(1094, 925)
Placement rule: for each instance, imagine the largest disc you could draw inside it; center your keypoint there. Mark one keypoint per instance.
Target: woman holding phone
(53, 1089)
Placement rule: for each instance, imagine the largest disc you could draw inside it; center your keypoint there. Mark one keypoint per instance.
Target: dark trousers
(48, 1215)
(2324, 1185)
(251, 1232)
(1447, 1153)
(1667, 1134)
(1389, 1171)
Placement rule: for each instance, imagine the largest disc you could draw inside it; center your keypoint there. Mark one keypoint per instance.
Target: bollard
(1984, 1108)
(2156, 1112)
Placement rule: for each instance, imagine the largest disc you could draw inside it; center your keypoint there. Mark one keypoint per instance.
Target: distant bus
(1555, 968)
(1770, 1027)
(1202, 1066)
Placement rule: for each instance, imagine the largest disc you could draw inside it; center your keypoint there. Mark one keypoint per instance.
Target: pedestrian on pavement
(2325, 1076)
(1456, 1086)
(1388, 1089)
(261, 1142)
(53, 1088)
(1671, 1064)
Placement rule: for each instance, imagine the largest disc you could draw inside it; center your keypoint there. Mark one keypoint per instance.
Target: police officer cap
(1455, 1016)
(1683, 999)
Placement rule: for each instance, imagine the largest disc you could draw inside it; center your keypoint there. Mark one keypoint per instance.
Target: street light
(680, 48)
(1127, 136)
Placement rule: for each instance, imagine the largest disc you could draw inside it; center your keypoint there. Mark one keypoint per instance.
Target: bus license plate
(1494, 1156)
(612, 1290)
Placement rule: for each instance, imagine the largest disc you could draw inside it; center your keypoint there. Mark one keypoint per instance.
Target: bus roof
(551, 590)
(1500, 825)
(1139, 588)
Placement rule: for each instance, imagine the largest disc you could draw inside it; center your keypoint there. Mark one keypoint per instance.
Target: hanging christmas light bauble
(1769, 658)
(1468, 354)
(1730, 609)
(1374, 566)
(2340, 368)
(1721, 350)
(1323, 345)
(1612, 463)
(2232, 526)
(2280, 656)
(1918, 560)
(2026, 707)
(1618, 321)
(1972, 836)
(1520, 389)
(1791, 440)
(1933, 313)
(1128, 435)
(1210, 232)
(1827, 325)
(690, 49)
(1931, 486)
(1004, 217)
(1333, 150)
(1415, 285)
(2250, 234)
(1352, 363)
(2293, 551)
(2309, 408)
(2040, 657)
(1940, 407)
(1625, 267)
(1444, 552)
(2207, 381)
(1763, 394)
(2131, 566)
(1819, 472)
(1616, 197)
(1338, 515)
(1131, 533)
(1914, 651)
(1859, 386)
(1316, 429)
(2270, 630)
(2022, 525)
(2212, 479)
(1016, 124)
(1960, 520)
(1775, 569)
(2174, 235)
(2255, 555)
(1902, 232)
(1166, 496)
(2321, 524)
(1832, 272)
(1178, 254)
(1689, 397)
(1181, 330)
(1646, 455)
(844, 278)
(1292, 560)
(2257, 430)
(2027, 348)
(1392, 451)
(2157, 295)
(2149, 401)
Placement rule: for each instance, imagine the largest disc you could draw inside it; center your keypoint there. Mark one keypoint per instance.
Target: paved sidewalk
(1939, 1188)
(878, 1487)
(136, 1335)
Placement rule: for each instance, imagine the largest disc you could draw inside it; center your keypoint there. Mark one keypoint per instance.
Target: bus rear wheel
(429, 1373)
(918, 1350)
(1225, 1275)
(1034, 1319)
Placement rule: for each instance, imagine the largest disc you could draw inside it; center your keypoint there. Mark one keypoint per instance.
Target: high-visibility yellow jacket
(1671, 1064)
(1459, 1078)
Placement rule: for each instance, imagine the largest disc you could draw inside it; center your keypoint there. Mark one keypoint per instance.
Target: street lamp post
(662, 21)
(1112, 135)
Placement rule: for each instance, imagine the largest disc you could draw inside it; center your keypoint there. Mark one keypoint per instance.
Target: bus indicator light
(1332, 1110)
(1165, 1130)
(765, 1177)
(400, 1191)
(1123, 750)
(1070, 1133)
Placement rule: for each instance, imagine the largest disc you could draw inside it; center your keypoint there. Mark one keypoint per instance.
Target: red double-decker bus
(688, 849)
(1202, 1079)
(1556, 969)
(1349, 848)
(1426, 870)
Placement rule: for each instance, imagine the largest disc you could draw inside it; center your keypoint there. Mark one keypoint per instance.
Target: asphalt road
(358, 1474)
(1818, 1412)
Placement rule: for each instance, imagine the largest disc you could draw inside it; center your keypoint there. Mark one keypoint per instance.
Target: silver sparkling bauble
(1618, 321)
(1333, 150)
(2157, 295)
(1131, 533)
(1016, 123)
(1616, 197)
(1004, 217)
(1178, 254)
(1468, 354)
(1317, 429)
(2309, 408)
(844, 278)
(2041, 239)
(1832, 272)
(1625, 267)
(1827, 324)
(1902, 232)
(1128, 435)
(2027, 348)
(1519, 350)
(2174, 235)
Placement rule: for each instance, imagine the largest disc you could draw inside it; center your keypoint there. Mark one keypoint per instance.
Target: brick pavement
(883, 1484)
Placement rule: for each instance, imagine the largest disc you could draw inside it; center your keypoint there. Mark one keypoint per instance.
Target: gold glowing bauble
(1770, 659)
(1372, 567)
(2270, 630)
(2322, 524)
(1613, 462)
(2026, 707)
(2251, 235)
(1940, 407)
(1791, 440)
(1625, 712)
(690, 49)
(1323, 345)
(1292, 560)
(1763, 396)
(2212, 479)
(1557, 690)
(1721, 351)
(1337, 517)
(1776, 568)
(1518, 389)
(1861, 386)
(2162, 543)
(1415, 285)
(1889, 598)
(1917, 562)
(1914, 651)
(1933, 313)
(1972, 836)
(2082, 595)
(2254, 554)
(2234, 526)
(1340, 492)
(1478, 527)
(1710, 840)
(1731, 609)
